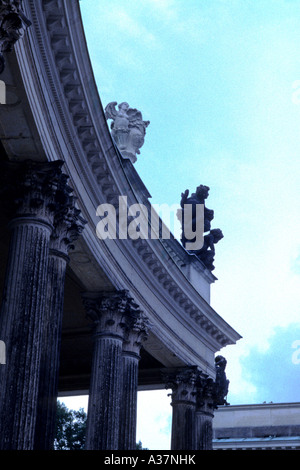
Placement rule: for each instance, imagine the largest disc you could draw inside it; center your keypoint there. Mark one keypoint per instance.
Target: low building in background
(266, 426)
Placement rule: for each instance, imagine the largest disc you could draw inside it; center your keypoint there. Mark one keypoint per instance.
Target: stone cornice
(92, 155)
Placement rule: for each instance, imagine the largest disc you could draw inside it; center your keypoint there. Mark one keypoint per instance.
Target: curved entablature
(60, 117)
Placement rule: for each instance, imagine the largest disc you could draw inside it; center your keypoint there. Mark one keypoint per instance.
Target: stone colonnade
(44, 223)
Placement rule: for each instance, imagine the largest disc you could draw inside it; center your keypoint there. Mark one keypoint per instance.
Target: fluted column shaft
(183, 425)
(68, 225)
(21, 329)
(128, 412)
(30, 191)
(204, 428)
(48, 383)
(105, 393)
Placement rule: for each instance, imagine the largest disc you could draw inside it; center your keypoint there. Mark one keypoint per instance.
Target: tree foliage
(139, 446)
(70, 428)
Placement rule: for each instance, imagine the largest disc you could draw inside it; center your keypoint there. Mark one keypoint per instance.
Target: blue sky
(219, 82)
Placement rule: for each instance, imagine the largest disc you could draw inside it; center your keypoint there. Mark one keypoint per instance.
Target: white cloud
(165, 10)
(154, 419)
(129, 26)
(75, 402)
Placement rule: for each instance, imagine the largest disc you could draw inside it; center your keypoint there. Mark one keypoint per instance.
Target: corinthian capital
(112, 312)
(183, 382)
(38, 190)
(13, 24)
(117, 313)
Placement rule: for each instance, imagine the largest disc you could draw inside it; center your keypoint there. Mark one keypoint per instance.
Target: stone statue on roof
(128, 128)
(211, 236)
(222, 383)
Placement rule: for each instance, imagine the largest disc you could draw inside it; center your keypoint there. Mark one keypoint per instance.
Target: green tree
(139, 446)
(70, 428)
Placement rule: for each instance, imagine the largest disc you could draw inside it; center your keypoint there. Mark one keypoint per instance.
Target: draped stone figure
(128, 128)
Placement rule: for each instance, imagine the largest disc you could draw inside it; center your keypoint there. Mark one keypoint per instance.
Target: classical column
(136, 333)
(183, 381)
(30, 190)
(68, 225)
(109, 311)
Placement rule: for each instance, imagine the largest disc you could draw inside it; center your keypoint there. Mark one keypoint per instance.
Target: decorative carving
(67, 230)
(207, 253)
(128, 128)
(13, 23)
(136, 333)
(104, 302)
(205, 393)
(183, 382)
